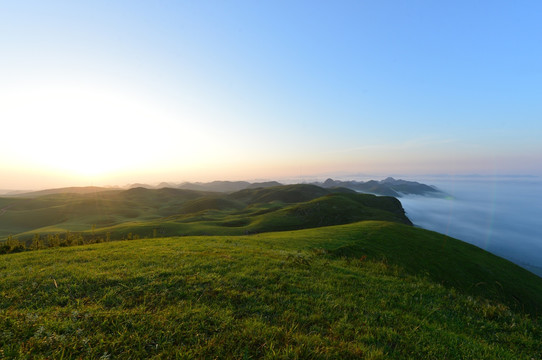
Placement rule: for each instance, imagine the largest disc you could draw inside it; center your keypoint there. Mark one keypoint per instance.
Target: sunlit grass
(339, 292)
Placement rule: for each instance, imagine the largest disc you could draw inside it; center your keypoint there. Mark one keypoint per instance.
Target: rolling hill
(168, 211)
(370, 289)
(291, 271)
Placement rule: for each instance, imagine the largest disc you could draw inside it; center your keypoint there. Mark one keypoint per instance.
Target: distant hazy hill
(388, 187)
(226, 186)
(65, 190)
(139, 185)
(5, 192)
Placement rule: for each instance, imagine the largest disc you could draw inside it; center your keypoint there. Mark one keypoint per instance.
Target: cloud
(498, 215)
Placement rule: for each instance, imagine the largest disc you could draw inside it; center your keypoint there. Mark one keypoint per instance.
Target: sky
(117, 92)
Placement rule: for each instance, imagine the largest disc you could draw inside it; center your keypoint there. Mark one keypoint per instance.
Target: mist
(500, 215)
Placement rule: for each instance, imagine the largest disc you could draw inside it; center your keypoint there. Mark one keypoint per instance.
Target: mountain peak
(389, 179)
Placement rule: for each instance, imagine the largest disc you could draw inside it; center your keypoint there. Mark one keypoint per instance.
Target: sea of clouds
(501, 215)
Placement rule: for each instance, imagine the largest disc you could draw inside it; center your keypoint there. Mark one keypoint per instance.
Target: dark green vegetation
(372, 289)
(141, 212)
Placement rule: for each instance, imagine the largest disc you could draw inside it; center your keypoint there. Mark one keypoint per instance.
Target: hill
(65, 190)
(372, 289)
(386, 187)
(219, 186)
(141, 212)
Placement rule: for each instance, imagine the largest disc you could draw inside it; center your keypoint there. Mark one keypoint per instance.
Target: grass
(370, 286)
(171, 212)
(375, 290)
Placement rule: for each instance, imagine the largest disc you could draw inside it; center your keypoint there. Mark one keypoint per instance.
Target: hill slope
(142, 212)
(374, 290)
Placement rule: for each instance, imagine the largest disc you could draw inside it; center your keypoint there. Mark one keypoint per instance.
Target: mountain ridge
(386, 187)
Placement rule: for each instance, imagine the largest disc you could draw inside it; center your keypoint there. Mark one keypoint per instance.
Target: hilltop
(370, 289)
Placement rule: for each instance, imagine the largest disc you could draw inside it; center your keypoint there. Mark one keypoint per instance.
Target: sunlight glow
(92, 131)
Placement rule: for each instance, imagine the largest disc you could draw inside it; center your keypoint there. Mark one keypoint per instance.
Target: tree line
(14, 245)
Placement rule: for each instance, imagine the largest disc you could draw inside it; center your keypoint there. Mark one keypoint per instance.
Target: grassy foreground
(374, 290)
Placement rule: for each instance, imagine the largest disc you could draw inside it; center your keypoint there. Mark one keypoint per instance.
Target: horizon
(117, 93)
(425, 178)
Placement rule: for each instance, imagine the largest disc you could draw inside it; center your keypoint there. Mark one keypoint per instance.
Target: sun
(99, 131)
(87, 131)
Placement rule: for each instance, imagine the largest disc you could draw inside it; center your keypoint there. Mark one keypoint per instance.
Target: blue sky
(124, 91)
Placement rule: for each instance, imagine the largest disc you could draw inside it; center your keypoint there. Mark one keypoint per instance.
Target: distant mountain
(226, 186)
(387, 187)
(65, 190)
(165, 185)
(265, 184)
(12, 192)
(139, 185)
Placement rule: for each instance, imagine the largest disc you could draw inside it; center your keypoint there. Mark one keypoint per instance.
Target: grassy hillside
(169, 212)
(375, 290)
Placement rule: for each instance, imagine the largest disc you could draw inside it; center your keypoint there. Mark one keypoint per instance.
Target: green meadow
(284, 273)
(142, 212)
